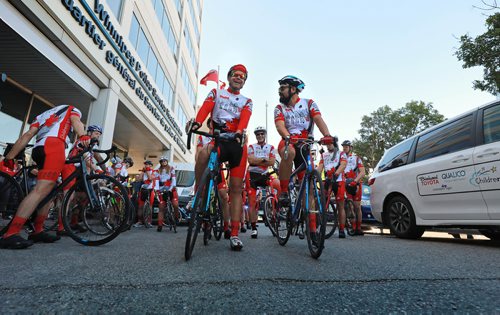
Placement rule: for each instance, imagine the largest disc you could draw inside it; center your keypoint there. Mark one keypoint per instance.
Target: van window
(491, 124)
(452, 137)
(184, 178)
(396, 156)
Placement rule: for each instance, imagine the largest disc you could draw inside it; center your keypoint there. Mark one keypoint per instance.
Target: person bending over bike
(148, 183)
(260, 157)
(168, 185)
(230, 112)
(333, 162)
(51, 129)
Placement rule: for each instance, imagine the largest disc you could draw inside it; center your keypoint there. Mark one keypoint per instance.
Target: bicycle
(300, 209)
(269, 202)
(169, 214)
(206, 205)
(332, 216)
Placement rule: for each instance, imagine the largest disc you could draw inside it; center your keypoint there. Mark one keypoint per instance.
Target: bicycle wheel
(52, 220)
(196, 216)
(332, 219)
(148, 214)
(217, 217)
(283, 224)
(350, 217)
(170, 216)
(316, 216)
(11, 196)
(270, 213)
(93, 226)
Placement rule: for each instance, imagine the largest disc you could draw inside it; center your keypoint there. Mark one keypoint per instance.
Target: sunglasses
(238, 75)
(260, 134)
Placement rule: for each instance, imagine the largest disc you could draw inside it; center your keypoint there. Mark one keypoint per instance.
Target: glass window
(134, 31)
(152, 64)
(168, 92)
(396, 156)
(159, 9)
(160, 77)
(452, 137)
(491, 124)
(184, 178)
(143, 46)
(115, 6)
(178, 6)
(181, 115)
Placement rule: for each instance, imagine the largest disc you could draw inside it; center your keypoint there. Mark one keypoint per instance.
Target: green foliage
(484, 50)
(386, 127)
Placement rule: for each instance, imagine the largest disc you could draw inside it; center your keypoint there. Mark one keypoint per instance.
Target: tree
(385, 128)
(484, 50)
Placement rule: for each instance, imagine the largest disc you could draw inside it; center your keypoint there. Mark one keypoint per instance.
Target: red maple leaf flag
(212, 75)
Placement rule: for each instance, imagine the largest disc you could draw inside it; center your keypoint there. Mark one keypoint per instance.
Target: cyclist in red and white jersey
(333, 162)
(230, 112)
(167, 184)
(51, 129)
(260, 157)
(294, 118)
(147, 192)
(354, 172)
(121, 170)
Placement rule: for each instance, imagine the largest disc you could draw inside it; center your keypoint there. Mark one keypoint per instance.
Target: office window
(142, 46)
(451, 137)
(192, 55)
(134, 31)
(181, 115)
(115, 6)
(168, 92)
(159, 9)
(178, 6)
(491, 124)
(152, 64)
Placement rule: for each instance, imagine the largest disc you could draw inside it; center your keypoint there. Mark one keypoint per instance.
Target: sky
(354, 56)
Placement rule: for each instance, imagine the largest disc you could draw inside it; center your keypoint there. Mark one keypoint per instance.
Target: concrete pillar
(169, 153)
(103, 112)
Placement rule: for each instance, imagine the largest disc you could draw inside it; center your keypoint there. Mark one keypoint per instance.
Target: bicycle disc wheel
(316, 216)
(350, 217)
(11, 196)
(196, 217)
(217, 218)
(270, 214)
(332, 220)
(93, 226)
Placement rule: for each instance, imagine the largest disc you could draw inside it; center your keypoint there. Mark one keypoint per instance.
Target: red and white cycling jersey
(167, 177)
(265, 151)
(298, 117)
(52, 125)
(227, 109)
(77, 148)
(353, 165)
(332, 161)
(203, 141)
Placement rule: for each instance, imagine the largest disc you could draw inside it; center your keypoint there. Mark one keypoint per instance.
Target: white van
(446, 176)
(184, 174)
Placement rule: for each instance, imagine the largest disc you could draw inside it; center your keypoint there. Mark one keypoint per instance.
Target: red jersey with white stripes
(231, 111)
(353, 164)
(53, 125)
(331, 162)
(298, 117)
(265, 151)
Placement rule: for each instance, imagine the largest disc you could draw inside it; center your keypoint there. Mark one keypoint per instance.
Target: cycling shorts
(236, 156)
(50, 158)
(256, 180)
(338, 189)
(174, 197)
(357, 196)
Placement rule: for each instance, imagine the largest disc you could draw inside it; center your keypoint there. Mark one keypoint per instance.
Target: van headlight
(365, 202)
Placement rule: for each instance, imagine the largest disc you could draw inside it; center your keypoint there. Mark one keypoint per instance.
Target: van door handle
(487, 154)
(460, 158)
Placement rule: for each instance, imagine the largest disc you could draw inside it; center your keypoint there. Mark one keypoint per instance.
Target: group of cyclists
(228, 111)
(225, 110)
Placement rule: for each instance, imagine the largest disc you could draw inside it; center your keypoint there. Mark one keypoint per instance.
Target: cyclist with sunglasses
(230, 112)
(260, 157)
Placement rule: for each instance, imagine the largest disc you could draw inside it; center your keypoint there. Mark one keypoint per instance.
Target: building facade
(130, 66)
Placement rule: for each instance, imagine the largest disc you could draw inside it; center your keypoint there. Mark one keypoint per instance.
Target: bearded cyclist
(230, 112)
(295, 118)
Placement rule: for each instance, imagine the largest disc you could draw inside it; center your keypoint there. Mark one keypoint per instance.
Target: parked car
(446, 176)
(366, 208)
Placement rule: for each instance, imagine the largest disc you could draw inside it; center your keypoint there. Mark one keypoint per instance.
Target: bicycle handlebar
(225, 136)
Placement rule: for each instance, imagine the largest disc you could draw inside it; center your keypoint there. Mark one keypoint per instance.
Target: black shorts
(257, 180)
(299, 160)
(335, 187)
(145, 193)
(230, 152)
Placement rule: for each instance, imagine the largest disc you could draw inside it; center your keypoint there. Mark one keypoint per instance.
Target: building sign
(125, 63)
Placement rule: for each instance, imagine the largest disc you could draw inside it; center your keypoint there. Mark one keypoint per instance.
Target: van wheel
(492, 234)
(401, 219)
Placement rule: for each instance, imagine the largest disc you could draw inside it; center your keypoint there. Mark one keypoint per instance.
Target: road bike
(304, 209)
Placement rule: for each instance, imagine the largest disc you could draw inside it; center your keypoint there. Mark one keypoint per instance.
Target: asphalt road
(143, 271)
